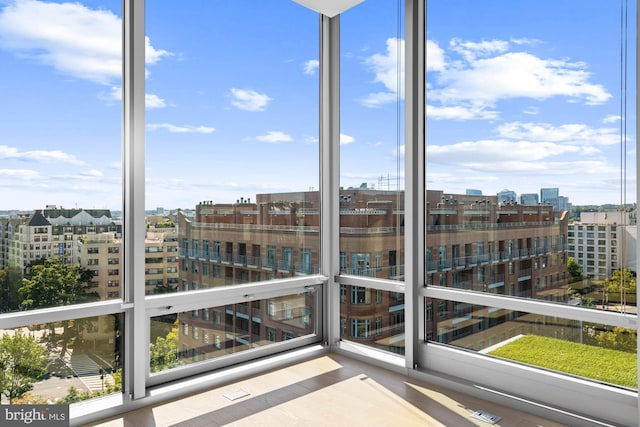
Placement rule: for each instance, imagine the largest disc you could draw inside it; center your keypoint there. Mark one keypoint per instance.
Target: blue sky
(519, 97)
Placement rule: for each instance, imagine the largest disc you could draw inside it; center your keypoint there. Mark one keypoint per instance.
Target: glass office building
(313, 159)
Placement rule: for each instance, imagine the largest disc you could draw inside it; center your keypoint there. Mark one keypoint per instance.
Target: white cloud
(180, 129)
(310, 139)
(72, 38)
(19, 173)
(531, 111)
(471, 50)
(515, 75)
(153, 101)
(460, 112)
(468, 80)
(274, 137)
(153, 55)
(346, 139)
(573, 133)
(612, 118)
(374, 100)
(386, 71)
(115, 95)
(93, 173)
(435, 56)
(311, 66)
(496, 152)
(249, 100)
(11, 153)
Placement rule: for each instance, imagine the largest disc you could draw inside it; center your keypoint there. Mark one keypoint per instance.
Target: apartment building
(51, 232)
(101, 253)
(602, 242)
(473, 243)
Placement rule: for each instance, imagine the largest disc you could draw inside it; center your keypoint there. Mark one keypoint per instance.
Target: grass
(601, 364)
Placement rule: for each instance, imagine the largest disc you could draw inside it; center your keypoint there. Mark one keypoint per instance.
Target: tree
(165, 288)
(74, 395)
(164, 353)
(53, 283)
(619, 339)
(10, 281)
(574, 269)
(22, 363)
(623, 281)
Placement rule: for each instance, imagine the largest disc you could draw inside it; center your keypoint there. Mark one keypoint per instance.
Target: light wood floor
(330, 390)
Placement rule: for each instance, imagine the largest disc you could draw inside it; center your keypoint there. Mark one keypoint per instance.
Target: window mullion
(414, 173)
(133, 105)
(330, 171)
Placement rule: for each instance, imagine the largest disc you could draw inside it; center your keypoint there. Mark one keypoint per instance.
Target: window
(360, 295)
(271, 308)
(217, 245)
(271, 257)
(378, 326)
(305, 316)
(287, 311)
(360, 328)
(343, 261)
(287, 257)
(496, 139)
(271, 334)
(305, 261)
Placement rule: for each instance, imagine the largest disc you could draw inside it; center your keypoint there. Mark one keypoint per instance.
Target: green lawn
(602, 364)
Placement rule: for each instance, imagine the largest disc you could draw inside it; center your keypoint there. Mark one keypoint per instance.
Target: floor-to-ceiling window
(61, 199)
(232, 173)
(372, 182)
(530, 168)
(226, 265)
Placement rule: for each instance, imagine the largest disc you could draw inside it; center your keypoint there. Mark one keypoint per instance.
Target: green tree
(623, 281)
(10, 281)
(53, 283)
(22, 363)
(574, 269)
(74, 395)
(619, 339)
(163, 353)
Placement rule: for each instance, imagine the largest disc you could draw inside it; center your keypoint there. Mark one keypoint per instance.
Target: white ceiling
(329, 7)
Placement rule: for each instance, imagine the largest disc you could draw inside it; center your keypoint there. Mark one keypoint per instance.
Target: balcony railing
(284, 265)
(254, 261)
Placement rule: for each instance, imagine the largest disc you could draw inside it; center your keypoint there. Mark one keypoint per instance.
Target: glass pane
(530, 154)
(203, 334)
(598, 352)
(372, 317)
(232, 140)
(371, 161)
(62, 362)
(372, 171)
(60, 144)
